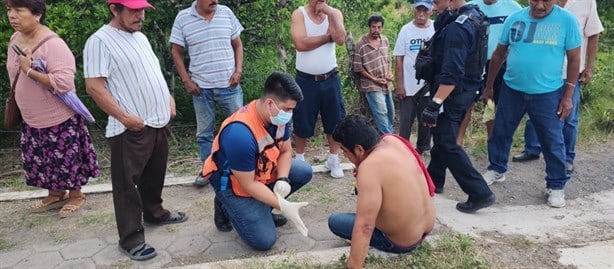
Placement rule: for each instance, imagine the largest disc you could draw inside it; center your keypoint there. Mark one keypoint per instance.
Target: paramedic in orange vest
(251, 152)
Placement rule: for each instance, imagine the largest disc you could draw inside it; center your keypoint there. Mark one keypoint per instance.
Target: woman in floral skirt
(56, 147)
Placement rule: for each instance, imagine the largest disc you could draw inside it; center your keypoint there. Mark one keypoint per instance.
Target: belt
(320, 77)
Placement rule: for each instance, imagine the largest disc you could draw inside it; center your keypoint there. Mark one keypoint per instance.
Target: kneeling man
(394, 212)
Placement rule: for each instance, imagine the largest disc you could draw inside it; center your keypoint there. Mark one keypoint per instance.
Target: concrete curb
(106, 187)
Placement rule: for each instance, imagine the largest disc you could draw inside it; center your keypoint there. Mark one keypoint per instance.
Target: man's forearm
(591, 51)
(338, 30)
(399, 71)
(177, 55)
(361, 235)
(237, 46)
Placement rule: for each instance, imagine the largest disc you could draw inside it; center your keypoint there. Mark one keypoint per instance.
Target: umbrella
(69, 98)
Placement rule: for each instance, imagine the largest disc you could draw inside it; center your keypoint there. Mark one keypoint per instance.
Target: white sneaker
(492, 176)
(556, 198)
(334, 166)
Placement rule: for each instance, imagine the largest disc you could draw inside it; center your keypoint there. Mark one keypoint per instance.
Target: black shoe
(279, 220)
(200, 181)
(569, 167)
(222, 223)
(524, 156)
(471, 206)
(438, 189)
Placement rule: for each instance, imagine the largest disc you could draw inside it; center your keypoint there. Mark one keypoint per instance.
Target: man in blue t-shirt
(536, 40)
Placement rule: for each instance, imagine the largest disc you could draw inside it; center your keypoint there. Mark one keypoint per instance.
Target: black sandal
(140, 253)
(174, 217)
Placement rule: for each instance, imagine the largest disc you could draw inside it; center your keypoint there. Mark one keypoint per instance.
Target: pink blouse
(39, 107)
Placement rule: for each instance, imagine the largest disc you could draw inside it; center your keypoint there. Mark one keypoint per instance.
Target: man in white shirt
(410, 38)
(315, 29)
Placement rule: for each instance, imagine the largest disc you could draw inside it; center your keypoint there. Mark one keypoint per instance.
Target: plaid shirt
(375, 61)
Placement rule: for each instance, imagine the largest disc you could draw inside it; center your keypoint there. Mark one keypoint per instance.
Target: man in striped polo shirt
(211, 32)
(123, 76)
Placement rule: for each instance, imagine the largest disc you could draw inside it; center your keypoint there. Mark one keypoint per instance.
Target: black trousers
(447, 154)
(138, 167)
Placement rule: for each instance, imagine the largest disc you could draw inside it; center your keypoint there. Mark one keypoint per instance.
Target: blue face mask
(282, 117)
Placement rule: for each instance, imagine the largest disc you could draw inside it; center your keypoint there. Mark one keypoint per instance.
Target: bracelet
(28, 73)
(570, 84)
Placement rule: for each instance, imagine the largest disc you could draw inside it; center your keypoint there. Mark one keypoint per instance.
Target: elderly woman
(57, 150)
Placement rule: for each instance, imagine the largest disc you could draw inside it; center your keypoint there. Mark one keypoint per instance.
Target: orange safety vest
(268, 149)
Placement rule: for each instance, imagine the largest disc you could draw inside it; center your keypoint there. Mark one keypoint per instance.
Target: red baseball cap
(132, 4)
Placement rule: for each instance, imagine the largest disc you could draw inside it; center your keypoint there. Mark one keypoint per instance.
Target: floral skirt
(60, 157)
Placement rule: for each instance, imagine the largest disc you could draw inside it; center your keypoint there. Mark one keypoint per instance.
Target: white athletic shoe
(556, 198)
(334, 166)
(492, 176)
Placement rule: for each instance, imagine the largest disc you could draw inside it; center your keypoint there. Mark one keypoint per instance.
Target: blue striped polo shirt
(212, 60)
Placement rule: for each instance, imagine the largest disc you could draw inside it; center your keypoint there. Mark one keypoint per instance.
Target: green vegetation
(448, 251)
(101, 218)
(5, 244)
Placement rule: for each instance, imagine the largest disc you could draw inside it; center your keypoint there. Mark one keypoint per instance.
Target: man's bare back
(406, 212)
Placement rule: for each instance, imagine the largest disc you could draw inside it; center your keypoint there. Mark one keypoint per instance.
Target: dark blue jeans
(447, 154)
(542, 109)
(341, 224)
(251, 218)
(570, 130)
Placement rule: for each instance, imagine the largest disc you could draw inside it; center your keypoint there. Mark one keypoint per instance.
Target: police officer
(457, 78)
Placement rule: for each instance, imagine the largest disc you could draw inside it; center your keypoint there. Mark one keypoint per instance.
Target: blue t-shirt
(537, 49)
(496, 13)
(238, 146)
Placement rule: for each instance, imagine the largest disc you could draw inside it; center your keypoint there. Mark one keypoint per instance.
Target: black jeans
(447, 154)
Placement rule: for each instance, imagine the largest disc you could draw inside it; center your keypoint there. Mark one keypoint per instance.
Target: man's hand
(564, 108)
(586, 76)
(400, 92)
(381, 81)
(235, 79)
(133, 123)
(488, 94)
(173, 108)
(282, 188)
(290, 210)
(430, 114)
(323, 7)
(191, 87)
(389, 77)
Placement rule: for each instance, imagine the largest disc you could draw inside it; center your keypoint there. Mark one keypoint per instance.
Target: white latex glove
(290, 211)
(283, 189)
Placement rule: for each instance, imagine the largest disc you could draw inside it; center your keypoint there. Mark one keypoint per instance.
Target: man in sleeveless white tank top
(315, 29)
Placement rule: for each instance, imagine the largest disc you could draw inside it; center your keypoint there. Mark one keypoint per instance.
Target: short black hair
(37, 7)
(355, 130)
(281, 87)
(375, 18)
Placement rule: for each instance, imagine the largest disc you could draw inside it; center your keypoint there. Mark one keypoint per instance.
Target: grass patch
(450, 250)
(5, 244)
(105, 218)
(123, 264)
(318, 190)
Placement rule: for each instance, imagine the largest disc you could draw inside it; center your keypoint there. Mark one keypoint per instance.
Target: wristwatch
(437, 100)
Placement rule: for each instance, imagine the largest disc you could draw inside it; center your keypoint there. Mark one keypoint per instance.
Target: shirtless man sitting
(394, 212)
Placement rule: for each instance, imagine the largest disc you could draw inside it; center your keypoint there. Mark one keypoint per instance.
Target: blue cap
(425, 3)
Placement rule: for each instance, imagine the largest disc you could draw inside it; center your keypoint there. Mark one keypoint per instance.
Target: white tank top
(320, 60)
